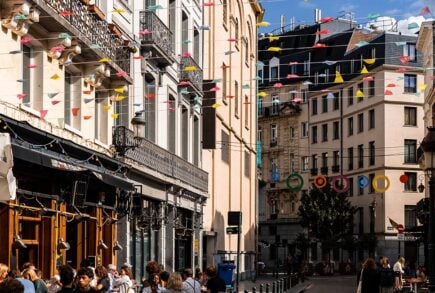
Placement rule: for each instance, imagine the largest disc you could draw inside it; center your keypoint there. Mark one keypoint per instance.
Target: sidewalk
(248, 285)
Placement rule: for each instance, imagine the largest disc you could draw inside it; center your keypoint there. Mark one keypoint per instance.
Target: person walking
(190, 284)
(386, 276)
(398, 269)
(368, 278)
(175, 283)
(40, 286)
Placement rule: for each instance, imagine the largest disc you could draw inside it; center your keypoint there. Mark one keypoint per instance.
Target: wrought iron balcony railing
(75, 17)
(314, 171)
(158, 159)
(190, 71)
(324, 170)
(156, 37)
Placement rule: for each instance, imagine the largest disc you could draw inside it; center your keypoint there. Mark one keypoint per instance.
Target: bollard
(274, 287)
(254, 290)
(290, 282)
(261, 288)
(279, 286)
(267, 288)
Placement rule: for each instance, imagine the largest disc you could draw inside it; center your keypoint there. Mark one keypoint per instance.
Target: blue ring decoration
(363, 181)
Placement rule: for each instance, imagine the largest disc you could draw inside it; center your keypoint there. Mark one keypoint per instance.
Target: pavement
(249, 285)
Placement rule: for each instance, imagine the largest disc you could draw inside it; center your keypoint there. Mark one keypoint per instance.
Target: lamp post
(428, 147)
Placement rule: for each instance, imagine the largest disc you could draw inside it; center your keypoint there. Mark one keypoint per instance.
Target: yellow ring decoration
(375, 183)
(323, 181)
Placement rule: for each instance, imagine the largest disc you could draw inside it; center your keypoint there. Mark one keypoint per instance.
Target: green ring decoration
(297, 187)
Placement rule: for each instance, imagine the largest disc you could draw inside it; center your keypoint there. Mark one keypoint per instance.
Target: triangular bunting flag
(364, 70)
(359, 94)
(338, 78)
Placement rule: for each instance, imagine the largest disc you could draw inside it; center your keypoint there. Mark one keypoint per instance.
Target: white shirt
(191, 286)
(398, 267)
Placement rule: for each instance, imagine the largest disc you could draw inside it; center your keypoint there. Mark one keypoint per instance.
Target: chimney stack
(317, 15)
(282, 23)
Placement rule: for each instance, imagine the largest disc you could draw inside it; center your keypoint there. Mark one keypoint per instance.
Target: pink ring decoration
(334, 182)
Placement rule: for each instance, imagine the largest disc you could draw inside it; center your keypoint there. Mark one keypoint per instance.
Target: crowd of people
(108, 279)
(381, 277)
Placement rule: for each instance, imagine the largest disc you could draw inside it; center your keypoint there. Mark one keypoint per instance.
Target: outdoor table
(414, 283)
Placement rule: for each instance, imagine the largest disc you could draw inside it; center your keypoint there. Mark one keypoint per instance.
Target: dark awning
(59, 161)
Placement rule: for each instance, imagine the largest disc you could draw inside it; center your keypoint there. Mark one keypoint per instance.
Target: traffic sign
(400, 228)
(233, 230)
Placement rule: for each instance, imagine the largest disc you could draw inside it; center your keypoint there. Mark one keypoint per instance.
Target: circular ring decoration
(375, 183)
(320, 181)
(297, 187)
(363, 181)
(334, 184)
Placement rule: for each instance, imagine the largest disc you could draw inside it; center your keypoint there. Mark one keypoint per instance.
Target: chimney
(282, 23)
(317, 15)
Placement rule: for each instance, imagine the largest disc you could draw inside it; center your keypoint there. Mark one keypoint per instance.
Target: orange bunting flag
(75, 111)
(323, 32)
(388, 93)
(87, 92)
(208, 4)
(319, 45)
(326, 19)
(338, 77)
(232, 40)
(151, 96)
(87, 117)
(230, 97)
(225, 66)
(65, 13)
(43, 113)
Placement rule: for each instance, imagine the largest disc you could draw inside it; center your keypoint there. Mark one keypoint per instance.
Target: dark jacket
(386, 277)
(370, 281)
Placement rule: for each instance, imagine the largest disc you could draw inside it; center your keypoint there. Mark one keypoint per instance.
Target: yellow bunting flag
(119, 98)
(274, 49)
(262, 94)
(107, 107)
(359, 94)
(215, 105)
(119, 90)
(423, 87)
(104, 60)
(369, 61)
(55, 76)
(263, 23)
(115, 115)
(190, 68)
(364, 70)
(338, 77)
(118, 10)
(274, 38)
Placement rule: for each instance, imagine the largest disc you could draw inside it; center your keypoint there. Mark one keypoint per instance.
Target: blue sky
(303, 10)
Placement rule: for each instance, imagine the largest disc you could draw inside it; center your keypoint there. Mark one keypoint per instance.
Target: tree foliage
(327, 214)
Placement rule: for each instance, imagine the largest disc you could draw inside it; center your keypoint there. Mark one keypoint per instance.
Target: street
(342, 284)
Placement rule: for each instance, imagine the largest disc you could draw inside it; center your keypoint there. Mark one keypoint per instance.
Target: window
(371, 118)
(336, 127)
(260, 106)
(260, 134)
(72, 99)
(292, 162)
(351, 187)
(410, 83)
(361, 122)
(306, 68)
(372, 153)
(172, 22)
(225, 12)
(304, 126)
(350, 158)
(350, 126)
(33, 77)
(325, 104)
(410, 151)
(304, 96)
(274, 73)
(372, 88)
(410, 116)
(361, 89)
(314, 106)
(292, 132)
(246, 45)
(247, 104)
(275, 105)
(236, 99)
(324, 159)
(360, 156)
(316, 78)
(336, 158)
(225, 151)
(196, 51)
(324, 132)
(411, 184)
(293, 68)
(261, 75)
(305, 163)
(247, 164)
(410, 217)
(314, 134)
(314, 161)
(184, 32)
(350, 96)
(370, 185)
(373, 53)
(360, 190)
(410, 50)
(224, 83)
(273, 133)
(336, 102)
(101, 116)
(150, 106)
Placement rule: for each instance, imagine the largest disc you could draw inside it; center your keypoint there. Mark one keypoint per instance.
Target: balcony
(151, 156)
(314, 171)
(158, 38)
(324, 170)
(335, 168)
(74, 18)
(191, 72)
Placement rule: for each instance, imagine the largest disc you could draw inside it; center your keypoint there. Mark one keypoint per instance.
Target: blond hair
(175, 282)
(3, 271)
(30, 274)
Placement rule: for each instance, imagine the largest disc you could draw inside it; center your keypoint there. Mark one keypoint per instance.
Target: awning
(58, 161)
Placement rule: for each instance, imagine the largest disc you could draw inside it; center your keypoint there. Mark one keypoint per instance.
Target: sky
(363, 11)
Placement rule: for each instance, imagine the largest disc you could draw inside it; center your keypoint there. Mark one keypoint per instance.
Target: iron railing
(190, 71)
(150, 155)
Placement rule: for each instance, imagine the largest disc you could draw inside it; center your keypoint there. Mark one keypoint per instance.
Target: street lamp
(138, 122)
(428, 165)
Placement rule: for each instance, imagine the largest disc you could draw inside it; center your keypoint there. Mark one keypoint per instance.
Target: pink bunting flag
(87, 92)
(391, 85)
(87, 117)
(225, 66)
(401, 70)
(425, 10)
(183, 83)
(326, 19)
(214, 89)
(368, 78)
(432, 77)
(323, 32)
(208, 4)
(292, 76)
(319, 45)
(121, 74)
(293, 63)
(65, 13)
(297, 100)
(43, 113)
(31, 66)
(58, 49)
(151, 96)
(169, 101)
(230, 97)
(21, 96)
(186, 54)
(277, 85)
(144, 32)
(324, 90)
(404, 59)
(232, 40)
(138, 57)
(26, 40)
(172, 108)
(55, 102)
(388, 93)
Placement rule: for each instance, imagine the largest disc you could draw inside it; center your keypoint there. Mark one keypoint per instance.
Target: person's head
(3, 271)
(164, 277)
(11, 286)
(211, 271)
(369, 264)
(126, 271)
(385, 262)
(30, 274)
(380, 259)
(402, 261)
(66, 274)
(187, 273)
(175, 282)
(14, 274)
(28, 265)
(152, 268)
(198, 274)
(85, 276)
(111, 269)
(101, 272)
